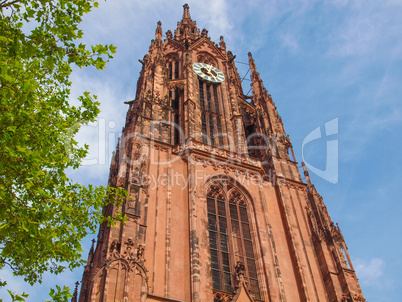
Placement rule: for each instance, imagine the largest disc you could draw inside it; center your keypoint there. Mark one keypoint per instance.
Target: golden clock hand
(212, 73)
(210, 68)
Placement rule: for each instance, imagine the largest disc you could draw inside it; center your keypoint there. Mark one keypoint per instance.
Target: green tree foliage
(43, 214)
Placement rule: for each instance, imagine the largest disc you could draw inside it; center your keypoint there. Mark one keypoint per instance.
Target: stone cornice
(214, 154)
(291, 182)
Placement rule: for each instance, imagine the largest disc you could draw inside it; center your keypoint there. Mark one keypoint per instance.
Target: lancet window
(209, 103)
(173, 66)
(230, 238)
(175, 96)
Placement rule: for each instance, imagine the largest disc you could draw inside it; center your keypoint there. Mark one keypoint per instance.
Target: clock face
(208, 72)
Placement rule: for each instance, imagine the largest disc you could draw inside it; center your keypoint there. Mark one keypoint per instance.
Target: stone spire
(187, 28)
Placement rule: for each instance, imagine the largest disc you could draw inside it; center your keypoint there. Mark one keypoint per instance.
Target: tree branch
(5, 4)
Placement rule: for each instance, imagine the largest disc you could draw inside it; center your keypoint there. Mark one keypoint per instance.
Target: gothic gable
(172, 45)
(242, 294)
(206, 44)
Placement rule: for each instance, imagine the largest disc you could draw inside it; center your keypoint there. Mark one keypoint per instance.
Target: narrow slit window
(170, 70)
(204, 128)
(176, 100)
(176, 70)
(202, 99)
(209, 97)
(212, 130)
(220, 134)
(215, 88)
(176, 129)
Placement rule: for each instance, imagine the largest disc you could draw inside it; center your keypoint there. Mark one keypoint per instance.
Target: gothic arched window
(209, 103)
(230, 238)
(173, 66)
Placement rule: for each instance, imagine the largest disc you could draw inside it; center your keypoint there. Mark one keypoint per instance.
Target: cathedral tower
(217, 209)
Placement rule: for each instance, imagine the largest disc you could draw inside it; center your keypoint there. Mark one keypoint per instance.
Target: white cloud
(367, 27)
(394, 116)
(371, 272)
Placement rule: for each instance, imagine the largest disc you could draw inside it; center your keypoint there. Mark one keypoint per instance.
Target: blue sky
(320, 60)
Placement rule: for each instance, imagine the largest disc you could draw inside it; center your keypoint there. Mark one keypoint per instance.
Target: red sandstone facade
(217, 208)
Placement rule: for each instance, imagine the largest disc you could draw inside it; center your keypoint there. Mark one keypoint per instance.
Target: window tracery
(230, 238)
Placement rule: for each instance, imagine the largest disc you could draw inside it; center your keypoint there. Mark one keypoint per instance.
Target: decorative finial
(186, 12)
(231, 57)
(204, 32)
(222, 42)
(158, 32)
(91, 251)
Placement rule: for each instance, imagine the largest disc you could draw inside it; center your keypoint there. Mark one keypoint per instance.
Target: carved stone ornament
(140, 252)
(359, 298)
(169, 34)
(129, 253)
(114, 249)
(204, 32)
(283, 183)
(222, 297)
(345, 298)
(242, 289)
(240, 269)
(336, 233)
(162, 148)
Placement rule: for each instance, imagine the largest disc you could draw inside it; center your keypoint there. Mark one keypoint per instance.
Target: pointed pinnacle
(74, 299)
(306, 173)
(251, 63)
(186, 12)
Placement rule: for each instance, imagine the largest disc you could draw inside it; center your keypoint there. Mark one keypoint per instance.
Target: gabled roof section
(205, 40)
(174, 44)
